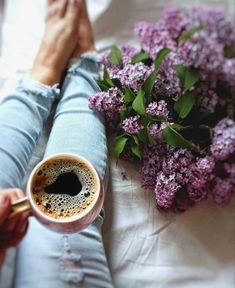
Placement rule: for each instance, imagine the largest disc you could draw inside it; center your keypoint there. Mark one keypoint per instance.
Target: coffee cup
(64, 192)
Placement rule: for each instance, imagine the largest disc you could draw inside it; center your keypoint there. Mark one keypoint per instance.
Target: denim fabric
(22, 116)
(47, 259)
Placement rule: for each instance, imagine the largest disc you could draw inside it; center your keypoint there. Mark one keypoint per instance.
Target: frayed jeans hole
(72, 276)
(70, 264)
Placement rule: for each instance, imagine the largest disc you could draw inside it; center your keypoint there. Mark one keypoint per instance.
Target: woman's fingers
(22, 222)
(19, 193)
(14, 194)
(11, 231)
(5, 206)
(15, 237)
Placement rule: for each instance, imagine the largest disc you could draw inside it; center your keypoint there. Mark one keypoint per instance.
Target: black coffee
(62, 188)
(66, 183)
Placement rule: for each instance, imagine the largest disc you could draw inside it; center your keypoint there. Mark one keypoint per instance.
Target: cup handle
(19, 206)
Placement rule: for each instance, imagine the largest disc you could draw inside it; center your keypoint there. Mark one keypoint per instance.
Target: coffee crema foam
(63, 206)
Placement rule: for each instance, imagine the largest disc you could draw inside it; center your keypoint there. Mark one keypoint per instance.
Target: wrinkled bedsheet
(145, 248)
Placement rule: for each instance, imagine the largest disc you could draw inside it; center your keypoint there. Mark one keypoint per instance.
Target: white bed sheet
(145, 248)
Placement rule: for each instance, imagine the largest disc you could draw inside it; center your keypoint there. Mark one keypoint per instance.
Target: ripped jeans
(46, 259)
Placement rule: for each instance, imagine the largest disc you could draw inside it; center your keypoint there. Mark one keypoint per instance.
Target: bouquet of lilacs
(171, 104)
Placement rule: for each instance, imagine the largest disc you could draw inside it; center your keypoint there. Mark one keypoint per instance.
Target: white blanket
(145, 248)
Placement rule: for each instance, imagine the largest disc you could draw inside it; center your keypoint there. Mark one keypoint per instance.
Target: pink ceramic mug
(68, 224)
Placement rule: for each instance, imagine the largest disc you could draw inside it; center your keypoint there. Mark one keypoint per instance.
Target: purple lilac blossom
(174, 21)
(216, 23)
(109, 102)
(131, 126)
(168, 83)
(165, 190)
(207, 99)
(222, 191)
(197, 195)
(177, 162)
(230, 170)
(228, 71)
(156, 131)
(127, 53)
(152, 164)
(202, 52)
(112, 69)
(179, 178)
(223, 142)
(158, 109)
(133, 76)
(153, 37)
(202, 173)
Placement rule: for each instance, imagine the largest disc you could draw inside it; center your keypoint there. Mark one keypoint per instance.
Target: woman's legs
(79, 258)
(23, 113)
(21, 119)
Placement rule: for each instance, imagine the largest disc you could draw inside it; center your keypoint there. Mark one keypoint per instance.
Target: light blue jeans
(46, 259)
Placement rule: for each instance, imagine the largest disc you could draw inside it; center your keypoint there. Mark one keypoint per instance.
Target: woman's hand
(11, 231)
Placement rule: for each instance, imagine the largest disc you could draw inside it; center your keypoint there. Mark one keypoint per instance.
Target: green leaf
(190, 33)
(136, 139)
(123, 114)
(173, 138)
(107, 82)
(148, 84)
(229, 51)
(143, 135)
(103, 85)
(107, 78)
(115, 55)
(119, 145)
(139, 57)
(151, 140)
(128, 96)
(147, 119)
(188, 76)
(180, 71)
(161, 55)
(136, 151)
(191, 77)
(117, 83)
(138, 104)
(125, 111)
(185, 104)
(177, 126)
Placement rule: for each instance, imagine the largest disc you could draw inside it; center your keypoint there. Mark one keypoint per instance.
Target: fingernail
(4, 200)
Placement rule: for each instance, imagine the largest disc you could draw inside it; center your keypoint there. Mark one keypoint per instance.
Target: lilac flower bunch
(171, 104)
